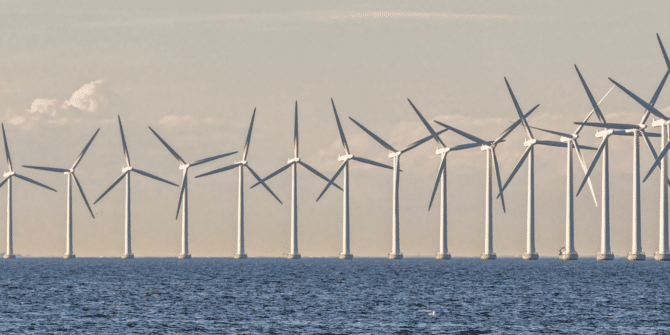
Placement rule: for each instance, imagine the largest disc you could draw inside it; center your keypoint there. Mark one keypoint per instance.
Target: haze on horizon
(195, 72)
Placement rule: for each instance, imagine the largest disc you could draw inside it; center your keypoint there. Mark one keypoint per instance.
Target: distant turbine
(8, 179)
(491, 159)
(346, 251)
(293, 163)
(443, 150)
(69, 173)
(241, 254)
(183, 195)
(125, 173)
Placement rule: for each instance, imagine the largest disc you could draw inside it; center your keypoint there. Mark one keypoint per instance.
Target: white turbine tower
(9, 254)
(125, 173)
(443, 150)
(183, 194)
(293, 163)
(491, 163)
(346, 251)
(636, 130)
(241, 165)
(69, 173)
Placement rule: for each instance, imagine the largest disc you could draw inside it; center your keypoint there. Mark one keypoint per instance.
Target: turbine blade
(462, 133)
(83, 196)
(375, 137)
(367, 161)
(646, 105)
(522, 159)
(518, 110)
(665, 55)
(443, 165)
(593, 164)
(552, 132)
(425, 123)
(585, 147)
(4, 181)
(111, 187)
(332, 180)
(596, 108)
(553, 143)
(609, 125)
(205, 160)
(651, 147)
(46, 168)
(295, 133)
(339, 128)
(581, 126)
(34, 182)
(311, 169)
(513, 126)
(181, 193)
(262, 182)
(225, 168)
(174, 153)
(582, 162)
(495, 165)
(280, 170)
(657, 161)
(4, 137)
(421, 141)
(248, 141)
(123, 142)
(655, 97)
(147, 174)
(81, 155)
(464, 146)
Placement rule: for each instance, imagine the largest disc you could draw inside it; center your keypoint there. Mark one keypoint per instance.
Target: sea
(331, 296)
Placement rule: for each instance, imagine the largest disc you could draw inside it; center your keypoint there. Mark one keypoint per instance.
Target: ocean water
(329, 296)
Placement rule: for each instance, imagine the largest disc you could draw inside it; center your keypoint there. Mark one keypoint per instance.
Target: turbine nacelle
(71, 171)
(529, 143)
(605, 133)
(660, 122)
(8, 174)
(395, 154)
(241, 162)
(293, 160)
(441, 151)
(344, 158)
(126, 169)
(641, 127)
(567, 139)
(184, 166)
(487, 147)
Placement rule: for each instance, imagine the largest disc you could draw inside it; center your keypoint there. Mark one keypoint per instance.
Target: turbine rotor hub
(241, 162)
(530, 142)
(8, 174)
(344, 158)
(184, 167)
(395, 154)
(126, 169)
(441, 151)
(293, 160)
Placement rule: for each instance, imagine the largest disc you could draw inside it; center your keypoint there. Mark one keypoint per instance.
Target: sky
(195, 72)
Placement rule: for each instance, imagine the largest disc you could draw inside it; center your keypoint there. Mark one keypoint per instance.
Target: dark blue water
(465, 296)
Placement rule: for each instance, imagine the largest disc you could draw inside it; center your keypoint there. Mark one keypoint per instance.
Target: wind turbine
(346, 251)
(491, 163)
(293, 163)
(636, 130)
(395, 155)
(125, 173)
(8, 180)
(69, 173)
(241, 254)
(183, 195)
(443, 150)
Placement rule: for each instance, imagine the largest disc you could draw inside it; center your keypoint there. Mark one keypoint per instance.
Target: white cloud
(17, 120)
(43, 106)
(87, 98)
(173, 120)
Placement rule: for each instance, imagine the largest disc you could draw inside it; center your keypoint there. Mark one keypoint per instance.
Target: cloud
(17, 120)
(173, 120)
(43, 106)
(87, 98)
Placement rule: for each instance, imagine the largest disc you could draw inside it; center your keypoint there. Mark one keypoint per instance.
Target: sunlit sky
(195, 71)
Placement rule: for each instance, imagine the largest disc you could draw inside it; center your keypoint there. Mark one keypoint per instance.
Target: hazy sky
(195, 71)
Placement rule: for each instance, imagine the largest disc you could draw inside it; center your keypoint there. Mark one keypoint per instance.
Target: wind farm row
(564, 139)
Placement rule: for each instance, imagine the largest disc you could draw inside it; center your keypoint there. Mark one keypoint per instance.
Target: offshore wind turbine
(183, 194)
(241, 165)
(69, 173)
(443, 150)
(491, 164)
(395, 155)
(293, 163)
(344, 168)
(125, 173)
(9, 254)
(636, 130)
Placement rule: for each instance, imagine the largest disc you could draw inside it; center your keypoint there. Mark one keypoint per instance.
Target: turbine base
(69, 256)
(128, 256)
(293, 256)
(445, 257)
(240, 256)
(634, 257)
(395, 256)
(184, 256)
(10, 256)
(488, 257)
(345, 256)
(569, 256)
(605, 257)
(662, 257)
(530, 257)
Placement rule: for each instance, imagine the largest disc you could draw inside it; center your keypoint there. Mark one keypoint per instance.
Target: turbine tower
(636, 130)
(241, 165)
(125, 173)
(183, 194)
(346, 250)
(69, 173)
(443, 150)
(293, 163)
(8, 180)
